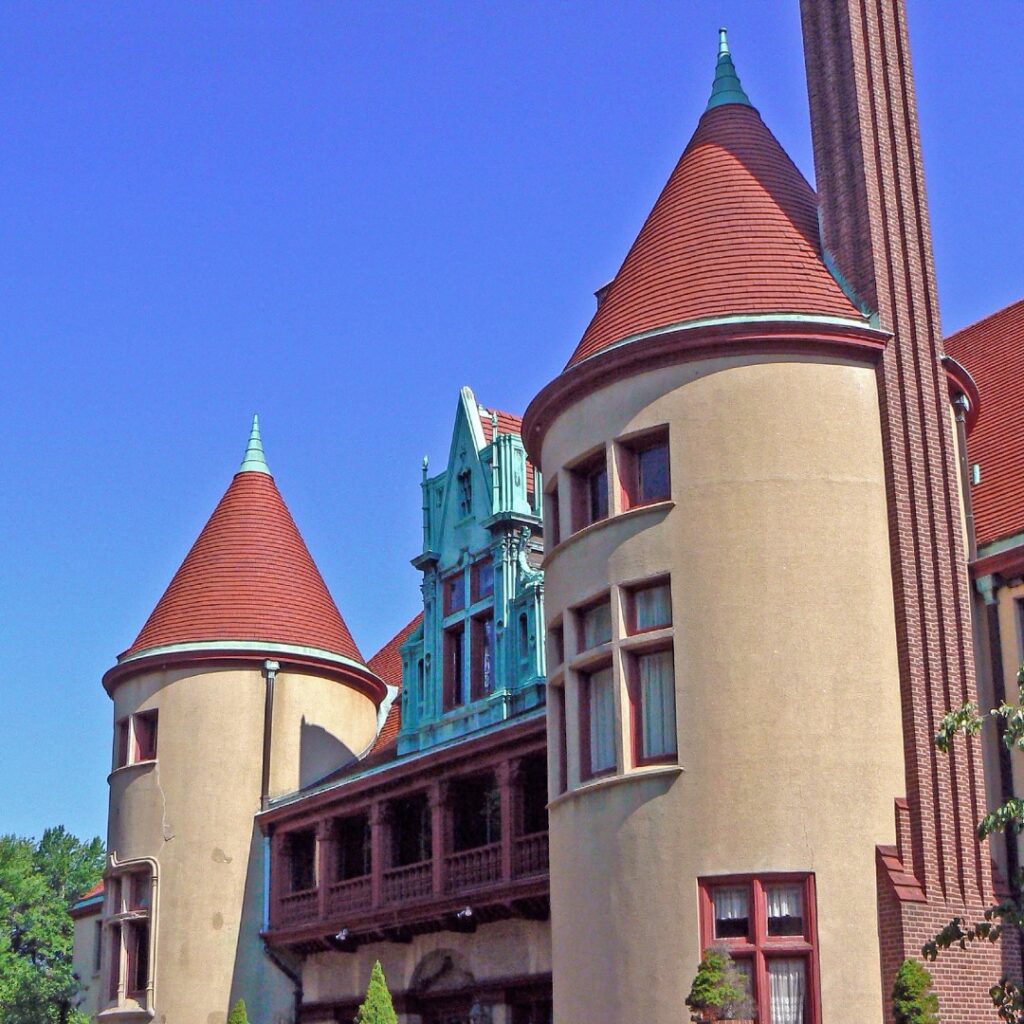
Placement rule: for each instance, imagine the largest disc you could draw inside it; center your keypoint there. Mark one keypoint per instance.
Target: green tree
(238, 1014)
(1008, 818)
(39, 882)
(913, 1001)
(377, 1008)
(719, 991)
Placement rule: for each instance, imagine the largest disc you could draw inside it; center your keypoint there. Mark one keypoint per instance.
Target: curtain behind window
(658, 703)
(602, 721)
(787, 983)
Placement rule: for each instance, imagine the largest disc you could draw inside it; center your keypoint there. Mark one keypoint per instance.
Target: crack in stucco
(165, 828)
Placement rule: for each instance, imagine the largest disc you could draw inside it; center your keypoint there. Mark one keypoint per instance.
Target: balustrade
(530, 855)
(297, 908)
(408, 883)
(469, 869)
(352, 894)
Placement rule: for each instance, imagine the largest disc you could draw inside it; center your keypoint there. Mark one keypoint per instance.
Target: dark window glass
(652, 472)
(138, 957)
(145, 736)
(476, 812)
(482, 682)
(483, 580)
(410, 830)
(597, 490)
(352, 836)
(454, 644)
(533, 782)
(302, 861)
(454, 594)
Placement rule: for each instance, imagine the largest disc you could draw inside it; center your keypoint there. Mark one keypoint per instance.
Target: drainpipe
(960, 406)
(270, 670)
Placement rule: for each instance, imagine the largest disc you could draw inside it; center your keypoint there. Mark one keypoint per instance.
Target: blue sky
(336, 215)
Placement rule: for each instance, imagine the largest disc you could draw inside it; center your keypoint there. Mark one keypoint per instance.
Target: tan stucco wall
(192, 813)
(788, 713)
(508, 949)
(84, 962)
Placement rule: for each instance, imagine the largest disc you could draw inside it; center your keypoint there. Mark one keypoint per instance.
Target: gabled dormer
(478, 658)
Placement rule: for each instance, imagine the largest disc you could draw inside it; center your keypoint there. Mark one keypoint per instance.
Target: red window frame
(631, 592)
(144, 728)
(758, 947)
(452, 676)
(587, 772)
(636, 726)
(630, 482)
(136, 970)
(479, 644)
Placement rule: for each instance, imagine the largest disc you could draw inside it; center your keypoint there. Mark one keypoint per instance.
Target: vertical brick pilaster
(875, 223)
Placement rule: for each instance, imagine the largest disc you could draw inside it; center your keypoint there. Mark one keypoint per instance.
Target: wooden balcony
(360, 853)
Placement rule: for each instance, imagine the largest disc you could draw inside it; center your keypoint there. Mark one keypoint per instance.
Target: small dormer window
(465, 482)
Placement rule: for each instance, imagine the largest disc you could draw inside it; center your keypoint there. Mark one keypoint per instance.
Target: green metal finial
(727, 88)
(254, 460)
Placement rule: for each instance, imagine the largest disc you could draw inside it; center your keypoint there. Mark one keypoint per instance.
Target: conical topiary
(238, 1014)
(377, 1008)
(913, 1001)
(719, 991)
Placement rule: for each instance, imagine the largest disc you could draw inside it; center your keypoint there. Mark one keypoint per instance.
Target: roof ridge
(983, 319)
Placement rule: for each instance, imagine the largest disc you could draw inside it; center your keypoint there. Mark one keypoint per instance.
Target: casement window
(597, 725)
(482, 580)
(475, 807)
(552, 523)
(649, 607)
(644, 469)
(482, 642)
(556, 700)
(767, 923)
(410, 830)
(594, 625)
(454, 593)
(454, 662)
(590, 492)
(97, 949)
(128, 935)
(302, 866)
(135, 739)
(653, 697)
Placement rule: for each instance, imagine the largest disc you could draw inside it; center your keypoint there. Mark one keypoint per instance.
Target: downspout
(960, 407)
(270, 670)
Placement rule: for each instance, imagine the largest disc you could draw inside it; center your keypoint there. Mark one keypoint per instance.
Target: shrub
(238, 1014)
(913, 1002)
(719, 991)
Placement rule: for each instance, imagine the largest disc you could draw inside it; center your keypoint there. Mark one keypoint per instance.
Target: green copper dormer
(478, 658)
(254, 461)
(726, 88)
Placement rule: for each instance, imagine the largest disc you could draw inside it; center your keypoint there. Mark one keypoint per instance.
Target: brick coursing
(875, 221)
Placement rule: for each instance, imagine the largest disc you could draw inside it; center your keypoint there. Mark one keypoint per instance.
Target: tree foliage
(377, 1008)
(39, 882)
(719, 991)
(913, 1001)
(238, 1014)
(1008, 818)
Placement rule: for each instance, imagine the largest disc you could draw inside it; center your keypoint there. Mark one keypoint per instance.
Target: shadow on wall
(320, 753)
(269, 993)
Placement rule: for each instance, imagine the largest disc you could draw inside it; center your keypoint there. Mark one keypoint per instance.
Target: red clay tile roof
(735, 231)
(387, 664)
(77, 910)
(250, 577)
(992, 350)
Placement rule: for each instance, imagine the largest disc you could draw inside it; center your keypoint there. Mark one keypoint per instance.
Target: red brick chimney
(870, 179)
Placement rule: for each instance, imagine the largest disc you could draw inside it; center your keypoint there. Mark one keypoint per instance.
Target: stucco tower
(244, 684)
(867, 155)
(724, 692)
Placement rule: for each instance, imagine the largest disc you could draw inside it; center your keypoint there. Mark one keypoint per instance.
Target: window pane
(140, 891)
(652, 607)
(484, 573)
(602, 721)
(657, 704)
(787, 989)
(597, 625)
(652, 468)
(454, 594)
(597, 484)
(732, 911)
(785, 909)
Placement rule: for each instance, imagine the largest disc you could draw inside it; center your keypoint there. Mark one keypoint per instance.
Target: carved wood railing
(411, 882)
(297, 908)
(530, 855)
(469, 869)
(352, 894)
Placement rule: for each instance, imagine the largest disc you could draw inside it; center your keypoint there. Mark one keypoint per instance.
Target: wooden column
(378, 829)
(324, 863)
(504, 776)
(438, 832)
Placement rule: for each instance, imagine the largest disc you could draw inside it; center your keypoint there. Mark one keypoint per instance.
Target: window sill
(647, 639)
(129, 767)
(586, 531)
(605, 782)
(593, 657)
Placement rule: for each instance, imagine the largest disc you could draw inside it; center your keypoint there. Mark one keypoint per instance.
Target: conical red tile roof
(249, 577)
(735, 231)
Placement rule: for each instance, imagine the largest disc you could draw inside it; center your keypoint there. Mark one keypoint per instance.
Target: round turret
(724, 710)
(243, 685)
